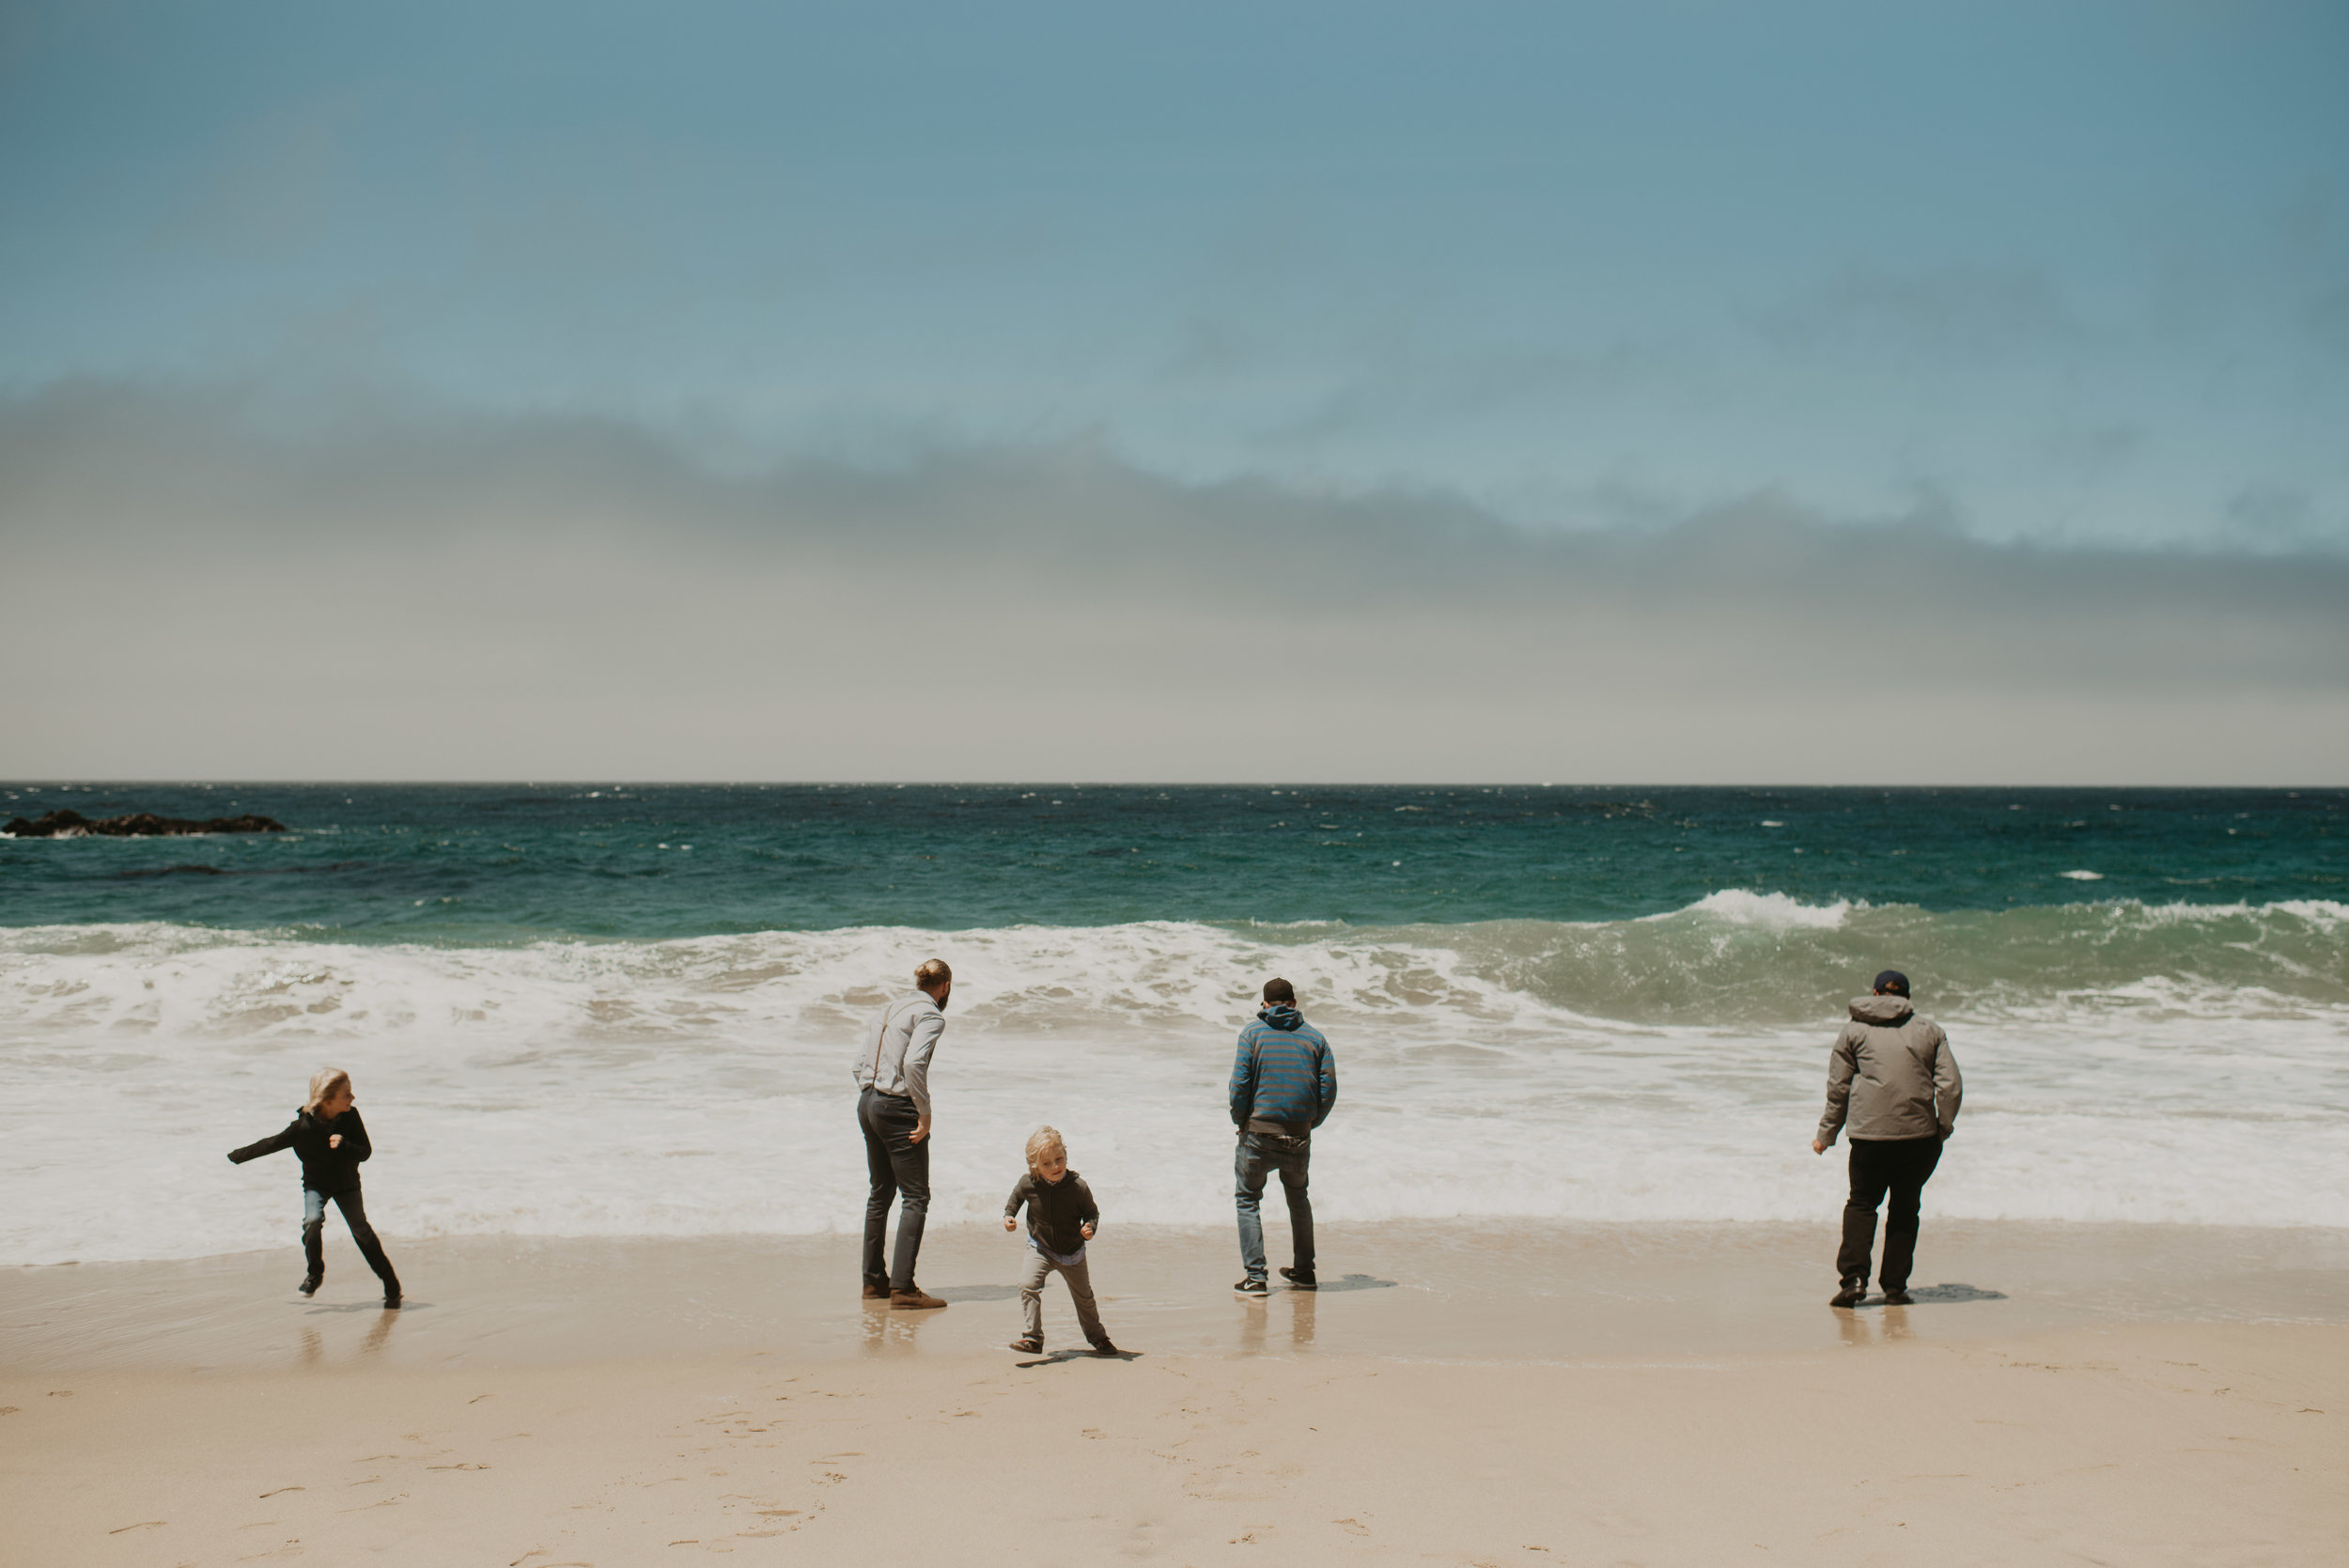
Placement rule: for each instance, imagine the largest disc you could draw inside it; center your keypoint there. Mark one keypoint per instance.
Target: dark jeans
(1258, 1155)
(1900, 1167)
(899, 1165)
(355, 1209)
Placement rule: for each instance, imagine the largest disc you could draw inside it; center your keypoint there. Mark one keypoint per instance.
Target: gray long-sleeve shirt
(894, 1056)
(1891, 1073)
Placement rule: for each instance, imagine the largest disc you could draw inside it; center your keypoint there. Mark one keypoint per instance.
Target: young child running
(331, 1142)
(1061, 1219)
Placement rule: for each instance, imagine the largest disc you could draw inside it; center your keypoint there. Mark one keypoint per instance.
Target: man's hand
(1009, 1223)
(920, 1129)
(1085, 1231)
(333, 1139)
(1818, 1145)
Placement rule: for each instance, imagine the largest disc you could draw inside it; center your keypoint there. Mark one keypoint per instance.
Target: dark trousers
(1899, 1167)
(1259, 1155)
(899, 1168)
(355, 1209)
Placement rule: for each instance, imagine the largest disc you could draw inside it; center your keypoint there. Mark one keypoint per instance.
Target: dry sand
(2115, 1425)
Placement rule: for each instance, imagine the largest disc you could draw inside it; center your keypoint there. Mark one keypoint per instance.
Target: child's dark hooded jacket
(1057, 1210)
(324, 1170)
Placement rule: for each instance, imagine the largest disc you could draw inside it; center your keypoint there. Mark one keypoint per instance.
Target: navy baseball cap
(1892, 981)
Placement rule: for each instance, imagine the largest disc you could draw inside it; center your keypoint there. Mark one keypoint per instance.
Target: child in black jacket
(1062, 1217)
(331, 1142)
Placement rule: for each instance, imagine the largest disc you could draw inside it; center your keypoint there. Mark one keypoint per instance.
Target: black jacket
(1055, 1209)
(324, 1170)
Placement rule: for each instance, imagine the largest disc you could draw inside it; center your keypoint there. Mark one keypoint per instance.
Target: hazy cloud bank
(196, 591)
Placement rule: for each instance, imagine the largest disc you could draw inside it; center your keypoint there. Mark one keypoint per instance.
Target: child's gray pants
(1079, 1279)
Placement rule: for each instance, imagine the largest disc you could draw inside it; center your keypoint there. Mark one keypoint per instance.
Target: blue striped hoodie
(1285, 1071)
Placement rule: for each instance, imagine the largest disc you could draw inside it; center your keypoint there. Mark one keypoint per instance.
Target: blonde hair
(1043, 1141)
(323, 1083)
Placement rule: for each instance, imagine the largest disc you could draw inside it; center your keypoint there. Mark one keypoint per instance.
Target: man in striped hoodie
(1283, 1083)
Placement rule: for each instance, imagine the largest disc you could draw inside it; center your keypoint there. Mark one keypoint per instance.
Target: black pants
(899, 1168)
(355, 1209)
(1902, 1167)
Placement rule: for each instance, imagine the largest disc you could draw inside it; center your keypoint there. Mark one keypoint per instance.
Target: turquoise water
(473, 863)
(605, 1010)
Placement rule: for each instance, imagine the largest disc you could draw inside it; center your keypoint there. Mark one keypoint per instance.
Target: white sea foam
(1580, 1071)
(1738, 906)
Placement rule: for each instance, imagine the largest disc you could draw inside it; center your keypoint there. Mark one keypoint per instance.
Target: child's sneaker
(1299, 1279)
(1252, 1286)
(1028, 1344)
(310, 1285)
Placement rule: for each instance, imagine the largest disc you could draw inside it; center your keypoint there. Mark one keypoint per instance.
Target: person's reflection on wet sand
(1854, 1329)
(313, 1347)
(1301, 1317)
(378, 1334)
(1251, 1325)
(1896, 1322)
(883, 1332)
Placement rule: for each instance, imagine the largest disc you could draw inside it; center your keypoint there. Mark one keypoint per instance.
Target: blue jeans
(1259, 1155)
(355, 1209)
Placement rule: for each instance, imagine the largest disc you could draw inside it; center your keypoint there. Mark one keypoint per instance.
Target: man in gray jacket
(892, 1073)
(1892, 1076)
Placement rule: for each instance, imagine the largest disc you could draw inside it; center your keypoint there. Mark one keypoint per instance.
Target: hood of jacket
(1282, 1016)
(1881, 1009)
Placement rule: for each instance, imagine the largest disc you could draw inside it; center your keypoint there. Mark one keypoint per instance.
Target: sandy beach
(1653, 1395)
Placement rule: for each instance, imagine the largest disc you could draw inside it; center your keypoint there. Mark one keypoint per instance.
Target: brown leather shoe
(877, 1293)
(912, 1300)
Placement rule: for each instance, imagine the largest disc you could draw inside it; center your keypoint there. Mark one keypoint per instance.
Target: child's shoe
(1103, 1348)
(1252, 1286)
(1299, 1279)
(391, 1299)
(1028, 1344)
(310, 1283)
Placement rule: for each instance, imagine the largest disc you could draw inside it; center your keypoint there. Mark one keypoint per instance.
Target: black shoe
(391, 1299)
(1899, 1297)
(1853, 1292)
(1103, 1348)
(310, 1285)
(1299, 1279)
(1252, 1286)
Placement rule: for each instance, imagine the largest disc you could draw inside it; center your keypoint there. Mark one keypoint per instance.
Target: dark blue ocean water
(470, 863)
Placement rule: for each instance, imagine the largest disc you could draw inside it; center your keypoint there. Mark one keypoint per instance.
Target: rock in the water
(72, 824)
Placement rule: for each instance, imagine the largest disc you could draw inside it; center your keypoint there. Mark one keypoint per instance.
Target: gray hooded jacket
(1891, 1074)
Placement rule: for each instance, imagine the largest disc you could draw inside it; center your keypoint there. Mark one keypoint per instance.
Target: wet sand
(1456, 1393)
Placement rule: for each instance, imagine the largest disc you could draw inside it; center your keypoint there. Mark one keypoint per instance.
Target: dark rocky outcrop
(72, 824)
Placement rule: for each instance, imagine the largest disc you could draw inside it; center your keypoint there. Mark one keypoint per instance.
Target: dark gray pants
(1899, 1167)
(899, 1168)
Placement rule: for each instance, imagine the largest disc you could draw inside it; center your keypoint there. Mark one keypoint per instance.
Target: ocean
(607, 1009)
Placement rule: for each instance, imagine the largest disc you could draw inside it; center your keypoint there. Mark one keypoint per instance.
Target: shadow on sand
(1056, 1357)
(977, 1293)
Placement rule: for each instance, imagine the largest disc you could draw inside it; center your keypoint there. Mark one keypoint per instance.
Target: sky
(1562, 391)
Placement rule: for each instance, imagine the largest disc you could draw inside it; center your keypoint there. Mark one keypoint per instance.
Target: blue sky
(2037, 277)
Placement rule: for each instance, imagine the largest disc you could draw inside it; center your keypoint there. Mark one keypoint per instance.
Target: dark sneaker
(1252, 1286)
(876, 1292)
(1103, 1348)
(310, 1285)
(912, 1300)
(1028, 1344)
(1299, 1279)
(1896, 1297)
(391, 1299)
(1853, 1292)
